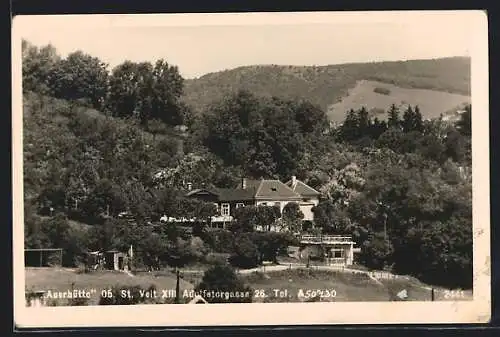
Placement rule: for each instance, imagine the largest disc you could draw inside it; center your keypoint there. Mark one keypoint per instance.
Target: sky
(204, 43)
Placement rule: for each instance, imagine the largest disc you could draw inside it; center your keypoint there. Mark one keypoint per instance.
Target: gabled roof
(201, 191)
(302, 188)
(235, 194)
(275, 190)
(253, 183)
(255, 189)
(225, 194)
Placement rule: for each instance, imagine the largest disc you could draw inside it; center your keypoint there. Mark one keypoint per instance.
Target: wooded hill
(327, 85)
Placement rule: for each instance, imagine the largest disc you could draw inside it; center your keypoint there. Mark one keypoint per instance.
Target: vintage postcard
(277, 168)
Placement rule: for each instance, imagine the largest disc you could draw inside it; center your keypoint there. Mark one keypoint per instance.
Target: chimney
(189, 186)
(243, 183)
(294, 181)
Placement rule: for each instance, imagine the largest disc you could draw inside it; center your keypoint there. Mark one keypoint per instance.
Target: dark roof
(200, 191)
(255, 189)
(235, 194)
(253, 183)
(302, 188)
(225, 194)
(275, 189)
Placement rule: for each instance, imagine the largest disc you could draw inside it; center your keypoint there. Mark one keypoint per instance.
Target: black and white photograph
(279, 168)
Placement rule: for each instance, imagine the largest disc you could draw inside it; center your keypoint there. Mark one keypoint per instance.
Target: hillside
(60, 137)
(431, 102)
(328, 85)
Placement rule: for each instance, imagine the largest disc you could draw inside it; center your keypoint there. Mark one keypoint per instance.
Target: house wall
(310, 250)
(281, 203)
(306, 208)
(232, 205)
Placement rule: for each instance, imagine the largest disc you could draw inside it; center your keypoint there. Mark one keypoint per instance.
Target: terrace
(325, 239)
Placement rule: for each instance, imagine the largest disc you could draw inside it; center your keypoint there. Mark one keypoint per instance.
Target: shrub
(246, 253)
(216, 258)
(221, 241)
(382, 91)
(223, 279)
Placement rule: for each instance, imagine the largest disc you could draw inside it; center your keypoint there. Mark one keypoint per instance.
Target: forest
(100, 142)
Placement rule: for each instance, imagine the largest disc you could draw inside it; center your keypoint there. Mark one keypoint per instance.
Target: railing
(218, 218)
(222, 218)
(325, 239)
(336, 261)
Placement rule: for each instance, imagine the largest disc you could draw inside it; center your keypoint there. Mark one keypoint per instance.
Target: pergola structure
(39, 257)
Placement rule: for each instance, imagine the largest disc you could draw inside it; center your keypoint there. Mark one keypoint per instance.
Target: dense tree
(412, 119)
(38, 67)
(331, 218)
(126, 83)
(245, 253)
(242, 130)
(393, 120)
(80, 76)
(464, 125)
(249, 218)
(223, 279)
(350, 128)
(161, 99)
(310, 118)
(363, 121)
(376, 252)
(377, 127)
(148, 92)
(292, 216)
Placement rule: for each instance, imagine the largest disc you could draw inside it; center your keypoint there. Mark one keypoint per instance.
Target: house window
(338, 253)
(216, 208)
(240, 204)
(225, 209)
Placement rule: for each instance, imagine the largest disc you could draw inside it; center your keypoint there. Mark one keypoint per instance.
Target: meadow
(431, 102)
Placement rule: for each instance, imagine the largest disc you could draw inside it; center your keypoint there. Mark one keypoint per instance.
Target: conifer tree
(393, 117)
(407, 121)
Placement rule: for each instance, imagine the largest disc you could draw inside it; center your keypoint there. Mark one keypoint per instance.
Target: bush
(382, 91)
(216, 258)
(220, 241)
(246, 253)
(223, 279)
(376, 252)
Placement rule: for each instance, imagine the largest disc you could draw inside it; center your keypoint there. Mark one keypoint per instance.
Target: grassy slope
(348, 287)
(61, 280)
(431, 102)
(327, 85)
